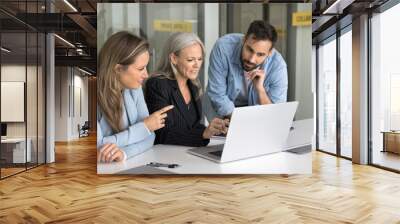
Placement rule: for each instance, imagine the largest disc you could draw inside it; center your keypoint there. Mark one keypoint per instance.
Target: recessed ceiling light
(5, 50)
(337, 7)
(84, 71)
(64, 40)
(70, 5)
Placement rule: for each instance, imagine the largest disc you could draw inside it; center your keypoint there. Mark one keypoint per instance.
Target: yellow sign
(172, 26)
(301, 18)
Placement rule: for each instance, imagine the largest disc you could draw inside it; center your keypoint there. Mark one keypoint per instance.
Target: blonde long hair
(175, 43)
(121, 48)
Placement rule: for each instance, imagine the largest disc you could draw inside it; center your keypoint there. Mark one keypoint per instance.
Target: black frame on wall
(40, 43)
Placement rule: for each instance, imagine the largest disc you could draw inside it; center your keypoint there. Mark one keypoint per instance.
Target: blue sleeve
(136, 138)
(130, 150)
(133, 134)
(279, 85)
(217, 79)
(140, 147)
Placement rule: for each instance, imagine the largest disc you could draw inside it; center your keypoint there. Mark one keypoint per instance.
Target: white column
(211, 35)
(50, 99)
(360, 90)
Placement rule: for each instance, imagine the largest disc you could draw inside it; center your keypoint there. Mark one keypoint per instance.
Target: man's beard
(254, 66)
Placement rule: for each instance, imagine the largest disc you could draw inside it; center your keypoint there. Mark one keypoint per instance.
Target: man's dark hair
(262, 30)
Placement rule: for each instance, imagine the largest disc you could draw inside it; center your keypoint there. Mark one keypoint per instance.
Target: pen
(155, 164)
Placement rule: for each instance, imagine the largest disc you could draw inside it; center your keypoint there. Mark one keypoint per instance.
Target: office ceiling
(74, 21)
(330, 15)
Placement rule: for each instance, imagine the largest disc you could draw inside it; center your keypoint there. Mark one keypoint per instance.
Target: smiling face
(189, 60)
(254, 52)
(133, 75)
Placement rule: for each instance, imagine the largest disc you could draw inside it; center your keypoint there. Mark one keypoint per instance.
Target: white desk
(276, 163)
(18, 149)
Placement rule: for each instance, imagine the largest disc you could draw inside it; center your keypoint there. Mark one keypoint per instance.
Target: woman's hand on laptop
(216, 127)
(226, 121)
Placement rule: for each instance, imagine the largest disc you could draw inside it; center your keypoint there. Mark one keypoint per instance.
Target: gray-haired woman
(175, 82)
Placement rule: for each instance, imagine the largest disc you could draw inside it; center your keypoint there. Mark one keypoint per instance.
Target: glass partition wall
(327, 96)
(385, 90)
(22, 77)
(383, 72)
(334, 94)
(346, 75)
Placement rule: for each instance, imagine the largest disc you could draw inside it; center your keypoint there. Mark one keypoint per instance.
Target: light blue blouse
(135, 137)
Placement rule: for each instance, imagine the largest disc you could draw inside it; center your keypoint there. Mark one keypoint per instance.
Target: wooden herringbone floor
(70, 191)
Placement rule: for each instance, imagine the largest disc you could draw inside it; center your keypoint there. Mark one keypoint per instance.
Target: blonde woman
(176, 83)
(125, 128)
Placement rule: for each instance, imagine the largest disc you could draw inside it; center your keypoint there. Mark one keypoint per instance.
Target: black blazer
(161, 92)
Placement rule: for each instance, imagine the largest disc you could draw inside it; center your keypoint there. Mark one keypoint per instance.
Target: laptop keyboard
(216, 153)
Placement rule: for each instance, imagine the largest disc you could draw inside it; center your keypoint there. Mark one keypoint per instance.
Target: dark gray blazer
(161, 92)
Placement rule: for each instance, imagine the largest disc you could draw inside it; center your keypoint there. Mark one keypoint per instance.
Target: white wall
(61, 103)
(16, 73)
(67, 115)
(80, 83)
(314, 92)
(303, 91)
(211, 34)
(299, 64)
(33, 126)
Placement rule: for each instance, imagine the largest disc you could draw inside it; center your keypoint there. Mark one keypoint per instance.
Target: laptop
(253, 131)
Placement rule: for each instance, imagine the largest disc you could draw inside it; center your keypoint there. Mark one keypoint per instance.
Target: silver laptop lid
(258, 130)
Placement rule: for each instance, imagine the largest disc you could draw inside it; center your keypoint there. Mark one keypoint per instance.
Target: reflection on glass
(161, 21)
(385, 114)
(346, 94)
(41, 150)
(13, 84)
(23, 83)
(327, 97)
(395, 102)
(244, 14)
(31, 98)
(182, 17)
